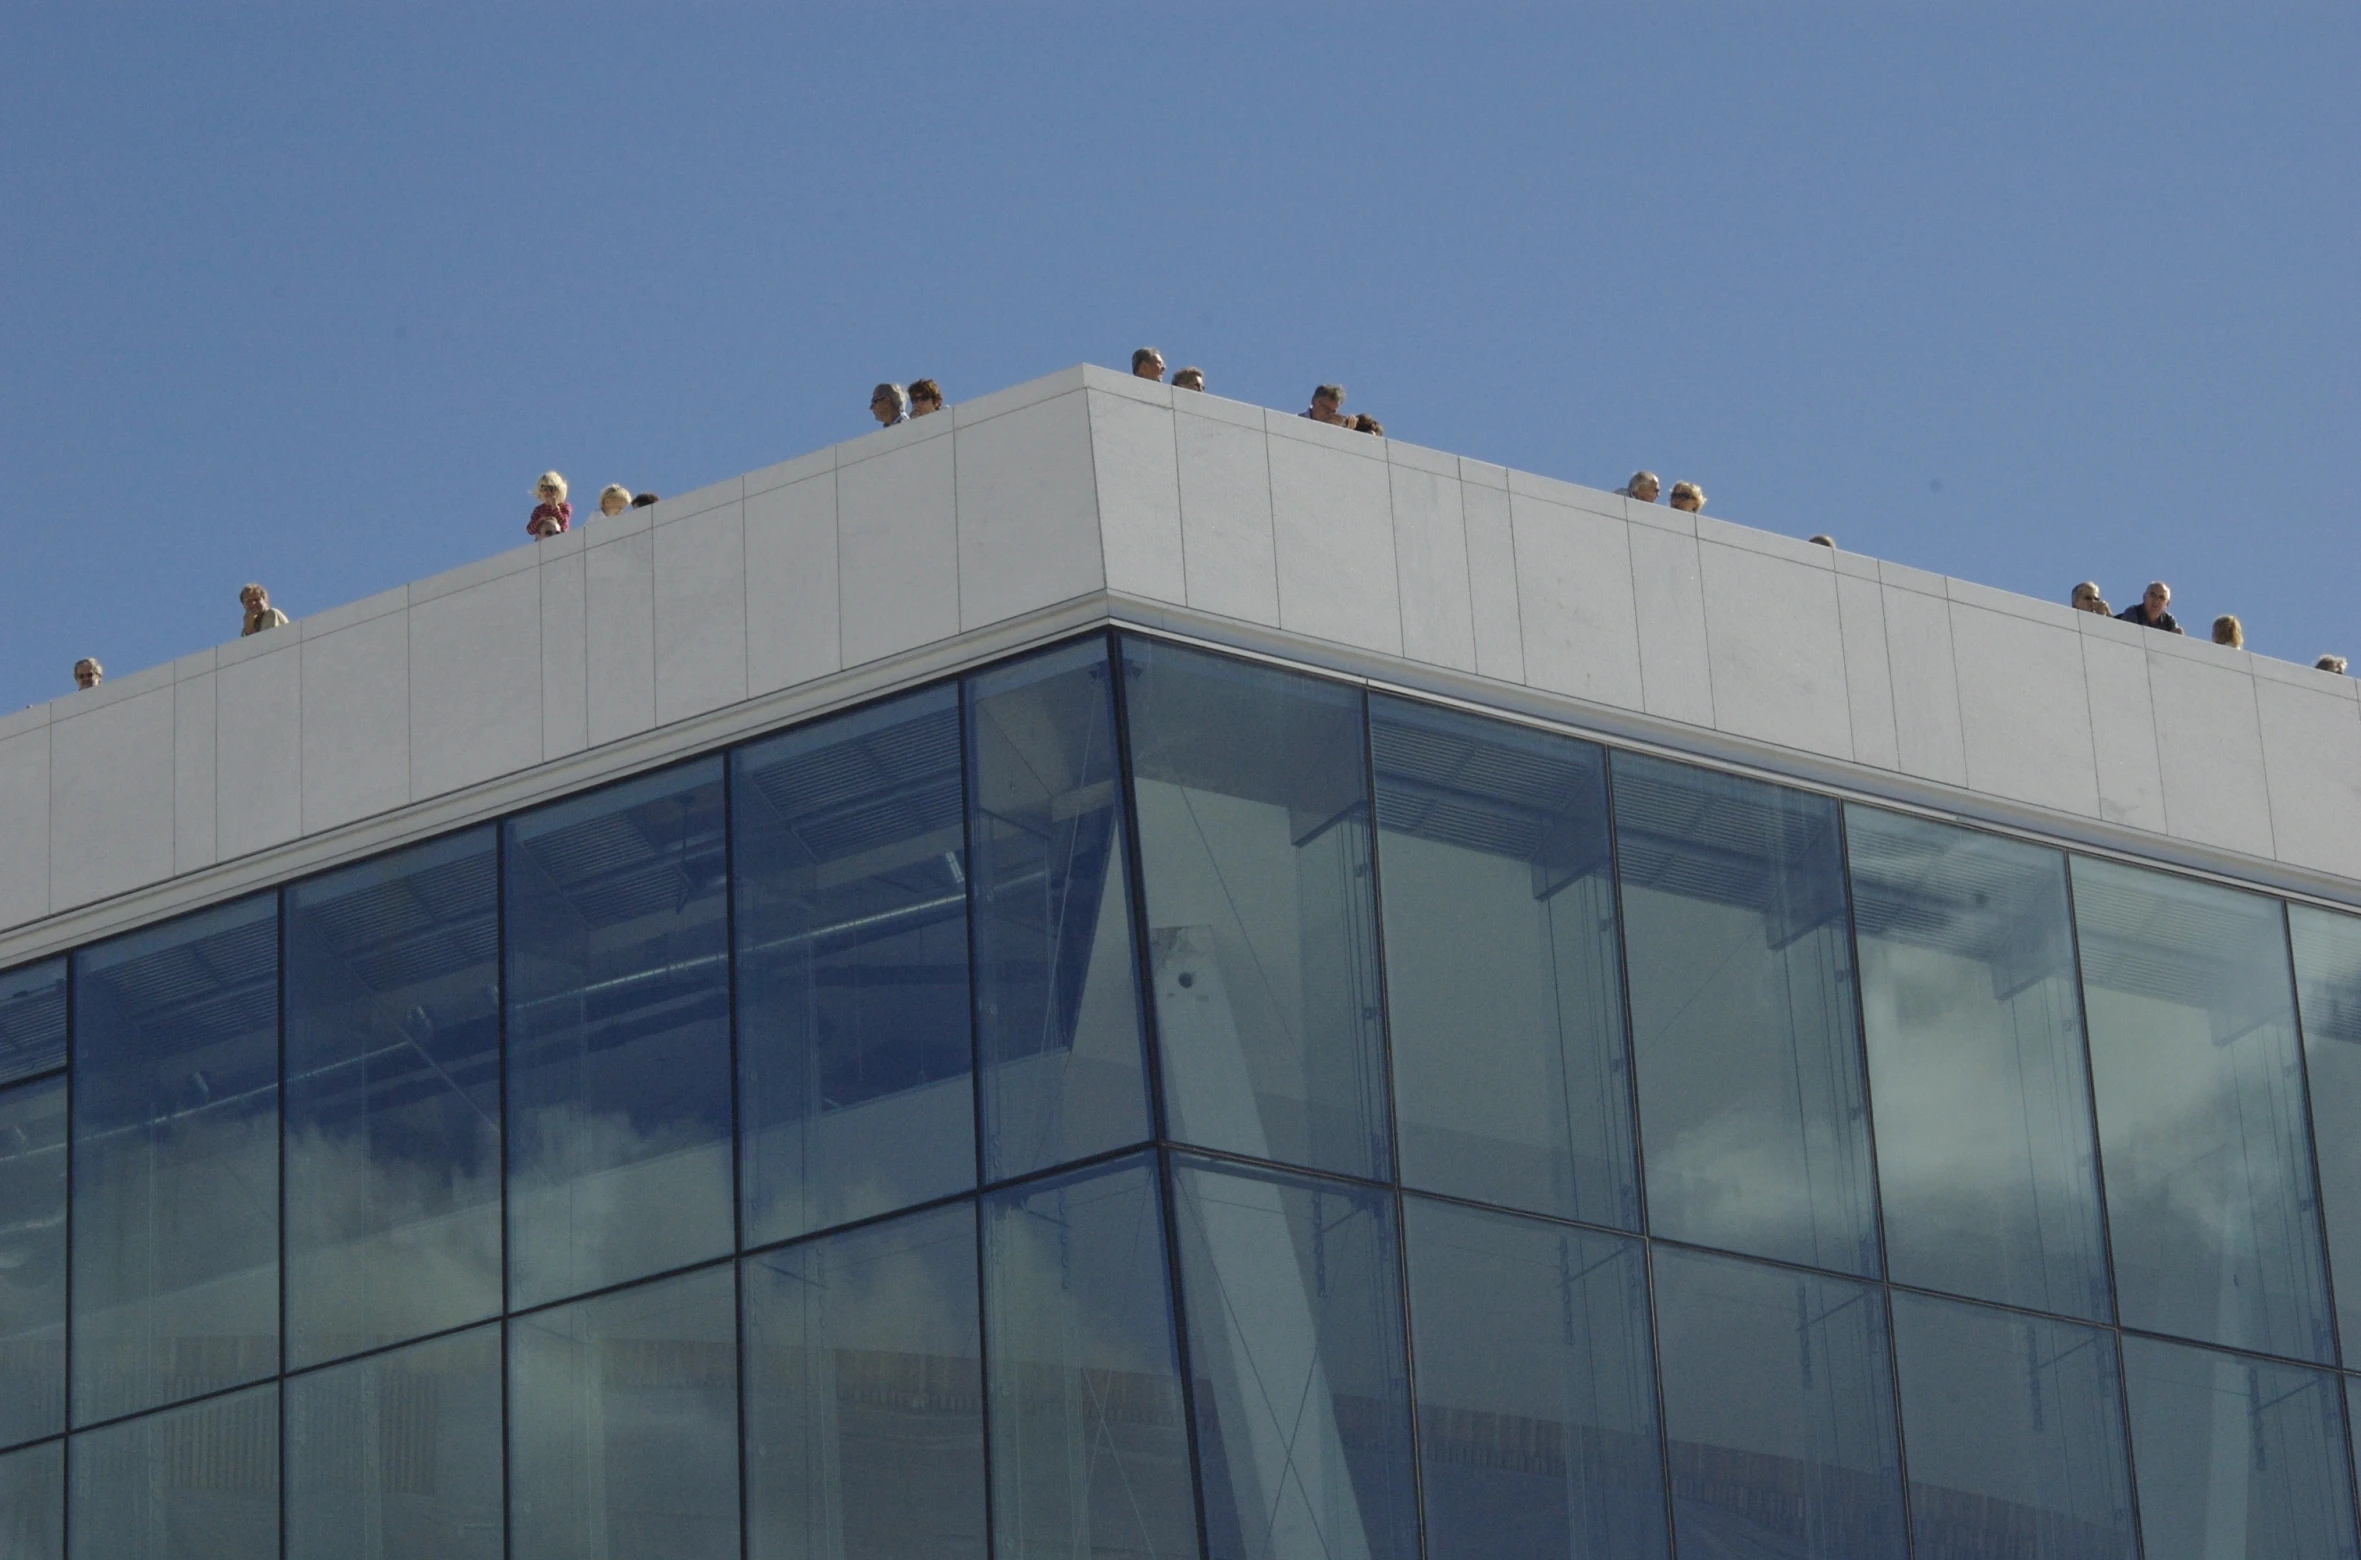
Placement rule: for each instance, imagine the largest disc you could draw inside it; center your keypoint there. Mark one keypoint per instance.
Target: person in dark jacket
(2149, 611)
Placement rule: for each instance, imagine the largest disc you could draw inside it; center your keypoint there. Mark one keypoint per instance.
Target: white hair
(550, 479)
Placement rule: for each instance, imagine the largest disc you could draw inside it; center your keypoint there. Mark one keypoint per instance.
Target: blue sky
(2023, 293)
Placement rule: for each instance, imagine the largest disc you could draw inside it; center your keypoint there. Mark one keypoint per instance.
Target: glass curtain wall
(838, 1141)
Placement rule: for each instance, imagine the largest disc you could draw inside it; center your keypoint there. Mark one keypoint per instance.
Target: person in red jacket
(553, 514)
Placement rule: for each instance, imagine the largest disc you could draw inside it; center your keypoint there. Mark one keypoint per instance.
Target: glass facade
(1133, 1103)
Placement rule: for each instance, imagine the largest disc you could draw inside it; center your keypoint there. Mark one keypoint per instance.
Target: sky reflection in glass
(2328, 991)
(32, 1261)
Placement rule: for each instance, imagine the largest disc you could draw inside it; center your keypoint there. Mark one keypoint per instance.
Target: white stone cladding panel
(258, 758)
(2312, 761)
(1492, 582)
(1225, 488)
(356, 722)
(1668, 596)
(1333, 524)
(2123, 733)
(1430, 562)
(476, 683)
(565, 655)
(2210, 745)
(24, 825)
(897, 547)
(1927, 736)
(2024, 710)
(1136, 460)
(1574, 599)
(791, 618)
(701, 612)
(619, 624)
(110, 799)
(1778, 651)
(1028, 502)
(195, 772)
(1869, 676)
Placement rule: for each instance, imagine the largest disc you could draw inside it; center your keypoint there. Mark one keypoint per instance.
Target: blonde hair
(550, 479)
(2227, 630)
(611, 490)
(1681, 490)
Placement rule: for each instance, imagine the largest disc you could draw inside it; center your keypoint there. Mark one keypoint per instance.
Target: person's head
(88, 673)
(925, 396)
(613, 499)
(2227, 630)
(2330, 663)
(2086, 598)
(1325, 400)
(644, 501)
(1689, 496)
(889, 404)
(1368, 424)
(1828, 542)
(1147, 363)
(2156, 598)
(1189, 379)
(550, 489)
(254, 598)
(1643, 486)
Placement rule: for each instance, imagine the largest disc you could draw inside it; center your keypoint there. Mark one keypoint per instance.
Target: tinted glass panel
(1779, 1409)
(194, 1483)
(1742, 1015)
(398, 1456)
(2238, 1459)
(1254, 839)
(853, 1036)
(1536, 1388)
(1975, 1061)
(2015, 1430)
(2328, 985)
(393, 1099)
(1510, 1076)
(33, 1502)
(865, 1395)
(618, 1035)
(623, 1425)
(32, 1261)
(1057, 986)
(1090, 1449)
(1295, 1339)
(32, 1020)
(176, 1161)
(2201, 1111)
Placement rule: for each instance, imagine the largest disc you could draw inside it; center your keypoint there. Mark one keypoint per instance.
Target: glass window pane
(1294, 1311)
(1536, 1388)
(194, 1483)
(2237, 1458)
(623, 1425)
(176, 1161)
(864, 1394)
(33, 1503)
(398, 1456)
(1742, 1015)
(1506, 1005)
(1254, 840)
(32, 1261)
(1057, 987)
(393, 1099)
(1090, 1448)
(1779, 1409)
(1976, 1064)
(32, 1020)
(2328, 988)
(2014, 1426)
(854, 1049)
(618, 1035)
(2201, 1111)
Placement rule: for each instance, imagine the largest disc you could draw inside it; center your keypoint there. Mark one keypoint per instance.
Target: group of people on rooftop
(892, 404)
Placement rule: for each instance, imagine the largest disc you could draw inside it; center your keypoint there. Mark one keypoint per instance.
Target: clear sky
(2022, 293)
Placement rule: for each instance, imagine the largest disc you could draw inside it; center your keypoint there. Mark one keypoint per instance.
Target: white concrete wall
(1233, 523)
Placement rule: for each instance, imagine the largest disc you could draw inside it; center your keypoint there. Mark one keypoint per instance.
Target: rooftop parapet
(1089, 496)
